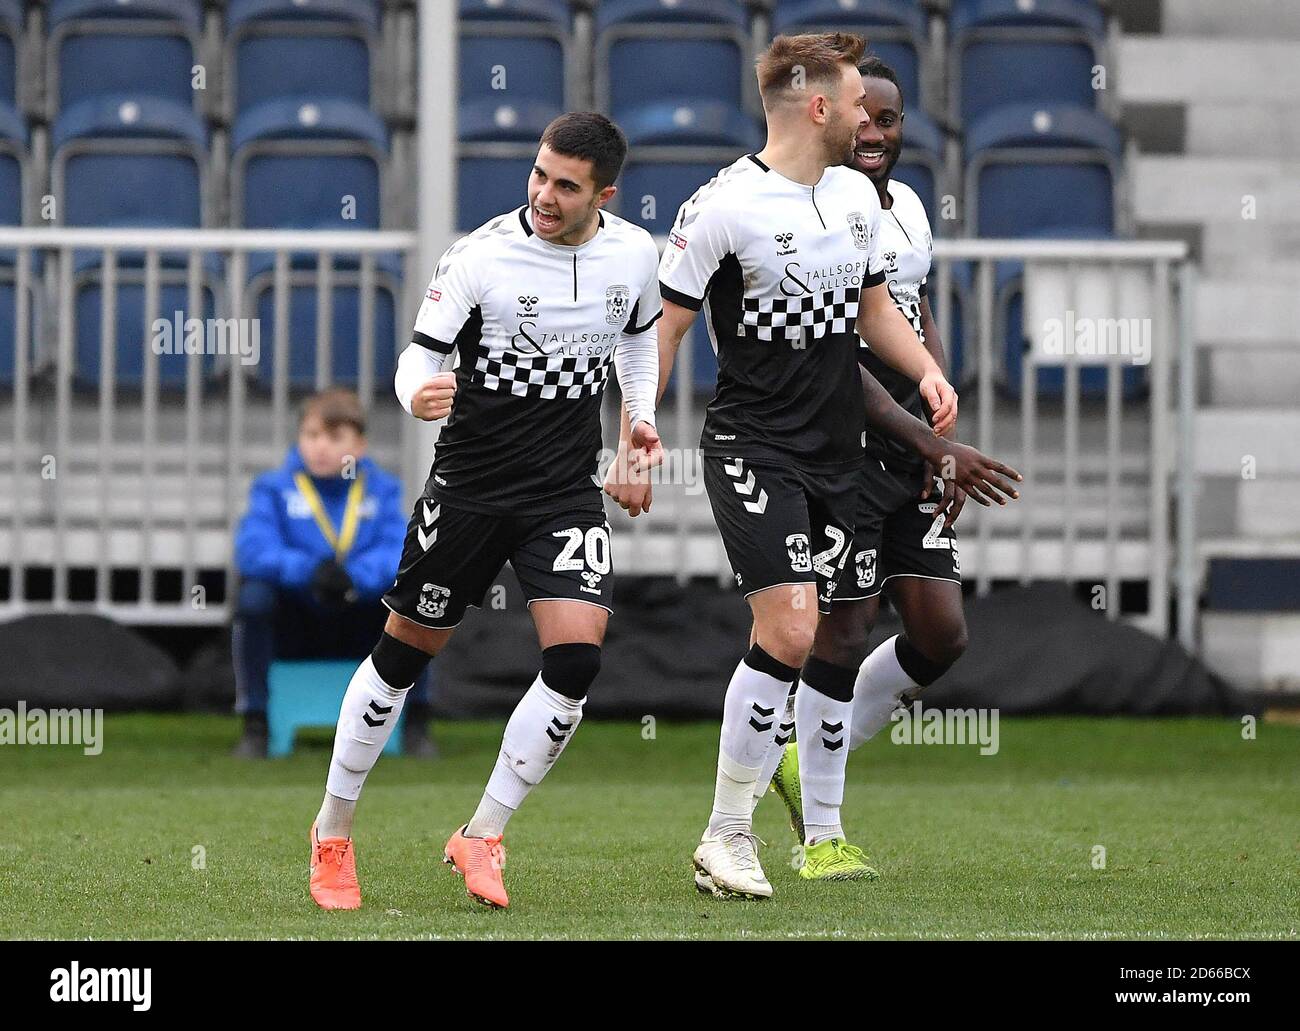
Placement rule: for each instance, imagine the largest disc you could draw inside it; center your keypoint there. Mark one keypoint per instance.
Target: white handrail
(238, 240)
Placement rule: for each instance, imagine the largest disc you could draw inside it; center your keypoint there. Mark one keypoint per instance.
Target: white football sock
(538, 730)
(366, 720)
(877, 692)
(821, 723)
(335, 817)
(784, 732)
(749, 719)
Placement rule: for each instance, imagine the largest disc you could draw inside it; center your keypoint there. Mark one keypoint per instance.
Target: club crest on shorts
(796, 546)
(860, 230)
(616, 304)
(865, 567)
(433, 601)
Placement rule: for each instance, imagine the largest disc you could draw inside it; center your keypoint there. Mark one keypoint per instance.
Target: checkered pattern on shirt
(786, 318)
(541, 375)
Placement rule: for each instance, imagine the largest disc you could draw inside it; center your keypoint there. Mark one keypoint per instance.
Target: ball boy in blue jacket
(317, 548)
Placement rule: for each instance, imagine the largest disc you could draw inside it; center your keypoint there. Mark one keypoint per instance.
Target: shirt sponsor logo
(433, 295)
(677, 240)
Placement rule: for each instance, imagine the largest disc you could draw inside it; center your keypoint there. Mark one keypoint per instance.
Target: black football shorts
(452, 556)
(897, 534)
(781, 525)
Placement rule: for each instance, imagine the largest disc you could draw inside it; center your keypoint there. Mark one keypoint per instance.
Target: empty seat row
(146, 161)
(1026, 167)
(267, 50)
(681, 52)
(134, 337)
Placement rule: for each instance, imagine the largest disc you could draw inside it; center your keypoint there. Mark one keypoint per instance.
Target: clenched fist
(432, 401)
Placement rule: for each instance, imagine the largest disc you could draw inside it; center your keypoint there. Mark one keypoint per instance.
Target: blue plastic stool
(309, 694)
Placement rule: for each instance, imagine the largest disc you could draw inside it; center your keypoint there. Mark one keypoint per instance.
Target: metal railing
(153, 477)
(1100, 459)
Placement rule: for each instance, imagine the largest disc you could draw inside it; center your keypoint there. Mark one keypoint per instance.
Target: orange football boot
(334, 873)
(479, 861)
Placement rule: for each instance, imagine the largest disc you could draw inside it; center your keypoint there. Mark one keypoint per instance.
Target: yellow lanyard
(341, 543)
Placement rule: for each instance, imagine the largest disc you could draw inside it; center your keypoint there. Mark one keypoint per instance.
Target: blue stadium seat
(11, 30)
(124, 160)
(489, 186)
(551, 13)
(685, 54)
(317, 49)
(294, 162)
(122, 47)
(895, 30)
(668, 183)
(133, 338)
(344, 321)
(1008, 327)
(532, 71)
(922, 162)
(13, 166)
(1031, 167)
(13, 178)
(1022, 51)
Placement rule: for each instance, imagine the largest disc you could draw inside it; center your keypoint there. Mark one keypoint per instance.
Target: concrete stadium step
(1269, 19)
(1172, 68)
(1264, 249)
(1266, 508)
(1264, 377)
(1256, 650)
(1216, 128)
(1211, 189)
(1226, 436)
(1245, 312)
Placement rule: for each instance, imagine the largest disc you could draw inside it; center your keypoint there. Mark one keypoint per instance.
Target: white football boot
(728, 867)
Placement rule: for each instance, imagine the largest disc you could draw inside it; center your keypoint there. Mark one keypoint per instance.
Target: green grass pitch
(164, 836)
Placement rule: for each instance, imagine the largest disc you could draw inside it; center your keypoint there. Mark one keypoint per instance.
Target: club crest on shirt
(796, 546)
(433, 601)
(617, 299)
(860, 229)
(865, 566)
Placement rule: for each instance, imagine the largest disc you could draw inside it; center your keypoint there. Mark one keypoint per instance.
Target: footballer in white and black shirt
(903, 541)
(537, 326)
(538, 303)
(782, 247)
(780, 268)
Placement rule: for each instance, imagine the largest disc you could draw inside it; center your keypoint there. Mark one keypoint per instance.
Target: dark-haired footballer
(903, 540)
(539, 302)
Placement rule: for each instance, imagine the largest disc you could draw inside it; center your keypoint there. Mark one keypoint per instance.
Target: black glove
(331, 586)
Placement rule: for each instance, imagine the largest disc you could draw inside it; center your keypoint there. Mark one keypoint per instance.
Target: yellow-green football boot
(836, 860)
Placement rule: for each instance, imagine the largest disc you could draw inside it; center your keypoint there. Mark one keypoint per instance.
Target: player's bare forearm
(889, 334)
(930, 333)
(888, 417)
(674, 323)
